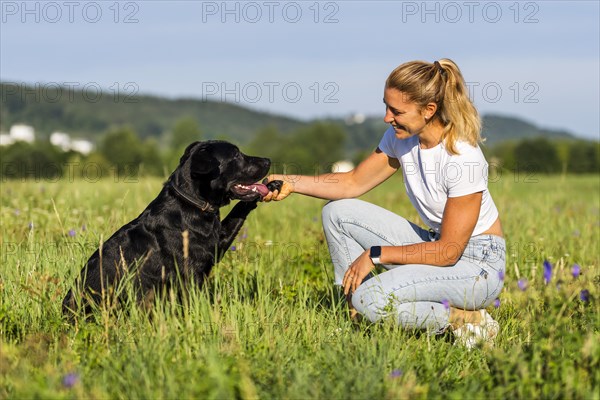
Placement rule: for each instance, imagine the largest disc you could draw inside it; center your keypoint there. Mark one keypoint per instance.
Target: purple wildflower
(584, 295)
(397, 373)
(83, 228)
(70, 379)
(30, 226)
(522, 283)
(72, 233)
(497, 303)
(501, 275)
(233, 248)
(446, 304)
(547, 272)
(576, 270)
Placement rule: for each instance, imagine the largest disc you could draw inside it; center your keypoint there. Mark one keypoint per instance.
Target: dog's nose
(266, 162)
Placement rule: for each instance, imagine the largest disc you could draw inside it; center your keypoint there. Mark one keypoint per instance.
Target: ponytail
(441, 83)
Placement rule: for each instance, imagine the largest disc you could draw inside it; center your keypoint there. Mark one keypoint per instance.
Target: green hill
(497, 128)
(81, 114)
(87, 115)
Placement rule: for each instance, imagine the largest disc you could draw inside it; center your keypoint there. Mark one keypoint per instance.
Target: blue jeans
(417, 295)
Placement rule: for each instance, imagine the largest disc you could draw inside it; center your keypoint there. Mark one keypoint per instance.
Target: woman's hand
(360, 268)
(287, 188)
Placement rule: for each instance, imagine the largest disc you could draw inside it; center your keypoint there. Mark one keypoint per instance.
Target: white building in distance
(64, 141)
(26, 133)
(355, 119)
(342, 166)
(84, 147)
(22, 133)
(5, 139)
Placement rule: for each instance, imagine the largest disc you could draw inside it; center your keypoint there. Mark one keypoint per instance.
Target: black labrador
(179, 237)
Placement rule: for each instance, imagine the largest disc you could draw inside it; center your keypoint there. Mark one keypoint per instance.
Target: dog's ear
(187, 152)
(203, 164)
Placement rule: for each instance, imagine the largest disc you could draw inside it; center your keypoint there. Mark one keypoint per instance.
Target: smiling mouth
(399, 127)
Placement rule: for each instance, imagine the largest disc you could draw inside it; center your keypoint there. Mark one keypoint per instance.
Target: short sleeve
(467, 172)
(387, 143)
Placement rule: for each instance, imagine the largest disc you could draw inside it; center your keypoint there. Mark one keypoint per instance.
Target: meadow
(269, 324)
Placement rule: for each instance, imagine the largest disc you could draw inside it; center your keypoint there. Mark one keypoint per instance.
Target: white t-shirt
(433, 175)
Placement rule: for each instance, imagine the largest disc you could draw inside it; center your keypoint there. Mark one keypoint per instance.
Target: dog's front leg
(232, 224)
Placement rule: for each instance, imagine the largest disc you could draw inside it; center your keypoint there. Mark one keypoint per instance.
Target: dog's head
(218, 172)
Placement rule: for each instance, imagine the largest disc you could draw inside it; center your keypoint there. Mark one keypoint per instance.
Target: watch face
(375, 252)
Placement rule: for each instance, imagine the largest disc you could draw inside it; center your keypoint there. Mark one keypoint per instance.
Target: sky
(535, 60)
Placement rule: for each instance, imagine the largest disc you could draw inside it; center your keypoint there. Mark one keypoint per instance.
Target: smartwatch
(375, 254)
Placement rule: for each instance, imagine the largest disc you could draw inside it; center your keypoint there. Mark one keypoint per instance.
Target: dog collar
(201, 204)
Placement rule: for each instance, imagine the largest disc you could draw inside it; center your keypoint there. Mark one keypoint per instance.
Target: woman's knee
(369, 302)
(336, 209)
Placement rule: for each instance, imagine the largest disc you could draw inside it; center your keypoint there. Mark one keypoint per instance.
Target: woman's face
(407, 118)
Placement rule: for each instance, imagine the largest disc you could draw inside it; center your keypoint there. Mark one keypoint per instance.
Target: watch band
(375, 254)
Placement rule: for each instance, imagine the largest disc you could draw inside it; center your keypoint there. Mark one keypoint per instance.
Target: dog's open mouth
(249, 191)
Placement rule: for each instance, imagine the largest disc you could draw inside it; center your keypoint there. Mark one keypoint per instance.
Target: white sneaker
(472, 335)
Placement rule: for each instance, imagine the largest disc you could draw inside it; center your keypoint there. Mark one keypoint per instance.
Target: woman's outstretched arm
(333, 186)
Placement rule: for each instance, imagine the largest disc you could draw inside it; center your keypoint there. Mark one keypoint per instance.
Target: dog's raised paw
(274, 185)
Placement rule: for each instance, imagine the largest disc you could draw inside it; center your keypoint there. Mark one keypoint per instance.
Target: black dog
(179, 236)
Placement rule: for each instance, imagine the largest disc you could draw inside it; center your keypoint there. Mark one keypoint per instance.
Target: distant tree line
(122, 154)
(311, 149)
(540, 155)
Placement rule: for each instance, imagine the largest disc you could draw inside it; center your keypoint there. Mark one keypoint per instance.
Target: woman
(434, 279)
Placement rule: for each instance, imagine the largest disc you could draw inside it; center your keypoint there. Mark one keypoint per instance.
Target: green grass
(268, 323)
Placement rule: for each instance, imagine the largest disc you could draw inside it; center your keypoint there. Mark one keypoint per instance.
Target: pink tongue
(262, 189)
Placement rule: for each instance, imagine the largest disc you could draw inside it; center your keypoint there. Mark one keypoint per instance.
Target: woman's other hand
(358, 271)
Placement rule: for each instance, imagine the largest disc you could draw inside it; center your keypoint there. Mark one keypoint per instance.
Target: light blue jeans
(418, 295)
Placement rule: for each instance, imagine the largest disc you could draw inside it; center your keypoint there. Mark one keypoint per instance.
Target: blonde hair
(442, 83)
